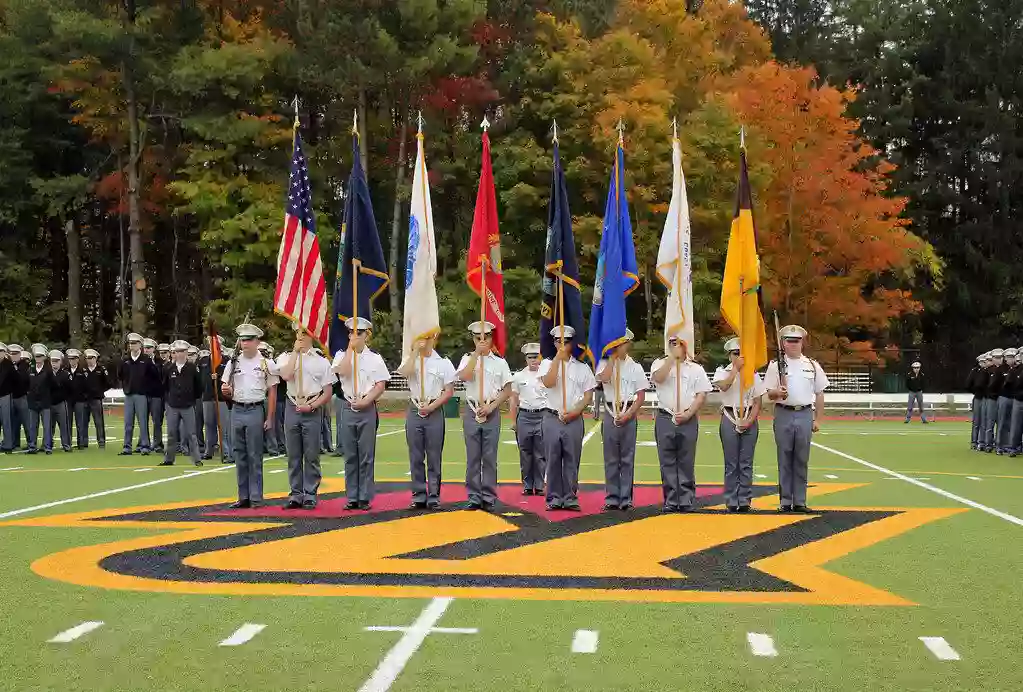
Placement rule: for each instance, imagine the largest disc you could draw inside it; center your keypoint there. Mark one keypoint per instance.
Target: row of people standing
(996, 382)
(51, 390)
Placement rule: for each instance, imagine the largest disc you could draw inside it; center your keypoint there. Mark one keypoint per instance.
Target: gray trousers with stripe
(1004, 422)
(619, 460)
(360, 442)
(792, 432)
(563, 449)
(425, 439)
(481, 441)
(7, 422)
(529, 436)
(181, 421)
(738, 449)
(302, 431)
(60, 420)
(676, 452)
(978, 415)
(247, 430)
(136, 408)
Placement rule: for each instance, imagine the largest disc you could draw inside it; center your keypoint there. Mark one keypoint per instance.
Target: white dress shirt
(577, 381)
(530, 390)
(316, 375)
(692, 381)
(804, 378)
(631, 381)
(372, 369)
(255, 377)
(496, 375)
(439, 374)
(730, 397)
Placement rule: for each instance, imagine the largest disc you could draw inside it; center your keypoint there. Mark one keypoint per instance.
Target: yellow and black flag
(741, 301)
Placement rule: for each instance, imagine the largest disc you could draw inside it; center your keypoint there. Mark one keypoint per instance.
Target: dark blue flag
(360, 255)
(616, 267)
(559, 261)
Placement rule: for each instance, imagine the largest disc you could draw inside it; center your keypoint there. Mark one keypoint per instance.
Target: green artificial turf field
(925, 543)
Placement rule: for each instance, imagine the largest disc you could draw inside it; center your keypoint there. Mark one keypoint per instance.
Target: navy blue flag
(559, 261)
(360, 256)
(617, 274)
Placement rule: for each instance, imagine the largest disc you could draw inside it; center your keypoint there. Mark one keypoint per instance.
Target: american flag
(301, 294)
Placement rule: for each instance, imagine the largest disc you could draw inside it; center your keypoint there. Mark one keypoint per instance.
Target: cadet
(246, 380)
(1014, 390)
(487, 385)
(59, 417)
(208, 404)
(363, 377)
(973, 387)
(682, 387)
(798, 393)
(7, 376)
(19, 391)
(154, 391)
(1004, 402)
(739, 428)
(992, 390)
(271, 443)
(431, 383)
(77, 402)
(624, 389)
(97, 384)
(570, 384)
(915, 383)
(528, 405)
(226, 407)
(181, 387)
(135, 373)
(309, 388)
(41, 387)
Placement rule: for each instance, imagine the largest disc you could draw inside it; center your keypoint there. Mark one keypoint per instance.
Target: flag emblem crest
(413, 249)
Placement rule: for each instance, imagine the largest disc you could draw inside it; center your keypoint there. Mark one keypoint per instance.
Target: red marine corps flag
(301, 292)
(483, 270)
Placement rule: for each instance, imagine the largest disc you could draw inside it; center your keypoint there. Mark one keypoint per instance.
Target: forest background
(145, 144)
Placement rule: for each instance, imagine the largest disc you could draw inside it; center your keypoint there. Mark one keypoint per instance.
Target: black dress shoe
(144, 452)
(573, 507)
(292, 504)
(309, 504)
(743, 508)
(527, 491)
(685, 509)
(417, 505)
(255, 504)
(351, 504)
(364, 506)
(785, 508)
(668, 509)
(553, 506)
(625, 508)
(49, 452)
(731, 508)
(166, 463)
(474, 504)
(487, 506)
(802, 509)
(32, 451)
(226, 461)
(124, 453)
(240, 504)
(609, 506)
(198, 462)
(433, 505)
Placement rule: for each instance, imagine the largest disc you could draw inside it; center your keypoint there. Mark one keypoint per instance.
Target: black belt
(793, 408)
(533, 410)
(252, 405)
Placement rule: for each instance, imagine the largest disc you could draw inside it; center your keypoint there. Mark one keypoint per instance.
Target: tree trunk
(74, 282)
(363, 131)
(399, 182)
(138, 277)
(174, 279)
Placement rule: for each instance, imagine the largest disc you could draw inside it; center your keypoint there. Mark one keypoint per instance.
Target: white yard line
(591, 433)
(75, 632)
(940, 648)
(926, 486)
(390, 432)
(12, 468)
(585, 642)
(761, 644)
(243, 634)
(415, 634)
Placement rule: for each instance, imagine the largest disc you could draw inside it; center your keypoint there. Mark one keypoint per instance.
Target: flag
(674, 261)
(216, 353)
(559, 261)
(485, 251)
(422, 316)
(742, 308)
(360, 263)
(616, 267)
(301, 293)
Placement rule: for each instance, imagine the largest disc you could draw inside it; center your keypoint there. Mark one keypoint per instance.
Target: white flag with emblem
(674, 261)
(422, 317)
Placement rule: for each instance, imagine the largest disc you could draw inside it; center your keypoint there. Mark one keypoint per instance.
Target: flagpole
(483, 318)
(422, 190)
(742, 330)
(561, 332)
(301, 268)
(355, 290)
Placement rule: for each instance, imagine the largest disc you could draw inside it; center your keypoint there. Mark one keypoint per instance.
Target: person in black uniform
(19, 392)
(41, 386)
(992, 385)
(7, 375)
(97, 382)
(972, 386)
(181, 388)
(208, 404)
(78, 407)
(136, 372)
(59, 414)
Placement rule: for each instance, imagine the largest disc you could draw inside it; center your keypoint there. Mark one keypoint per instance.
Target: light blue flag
(617, 274)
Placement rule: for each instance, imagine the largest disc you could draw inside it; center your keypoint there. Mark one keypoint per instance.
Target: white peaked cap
(569, 331)
(481, 327)
(354, 323)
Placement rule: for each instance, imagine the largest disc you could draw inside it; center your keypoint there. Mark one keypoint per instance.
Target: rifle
(782, 365)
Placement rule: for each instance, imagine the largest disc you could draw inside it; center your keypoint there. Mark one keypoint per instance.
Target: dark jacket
(991, 382)
(997, 383)
(97, 382)
(41, 387)
(1013, 382)
(973, 380)
(62, 390)
(20, 379)
(7, 376)
(915, 383)
(136, 376)
(181, 389)
(155, 385)
(79, 385)
(206, 378)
